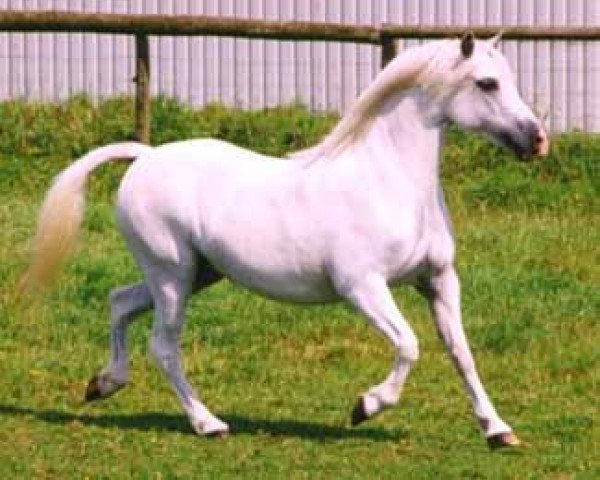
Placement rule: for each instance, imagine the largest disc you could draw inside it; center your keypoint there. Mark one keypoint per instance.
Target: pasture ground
(284, 376)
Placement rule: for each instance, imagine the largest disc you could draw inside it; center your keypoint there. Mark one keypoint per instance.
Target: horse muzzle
(528, 139)
(536, 139)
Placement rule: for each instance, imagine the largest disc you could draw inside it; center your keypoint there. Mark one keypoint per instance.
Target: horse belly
(272, 276)
(287, 287)
(267, 251)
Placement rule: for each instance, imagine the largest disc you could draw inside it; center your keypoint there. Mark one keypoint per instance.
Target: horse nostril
(542, 144)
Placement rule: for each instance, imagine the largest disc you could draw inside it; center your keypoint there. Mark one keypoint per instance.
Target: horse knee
(116, 300)
(159, 349)
(127, 302)
(164, 351)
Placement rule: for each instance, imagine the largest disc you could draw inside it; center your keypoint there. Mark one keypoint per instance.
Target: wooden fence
(143, 26)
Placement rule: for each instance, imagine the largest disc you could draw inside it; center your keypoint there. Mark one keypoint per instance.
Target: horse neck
(401, 75)
(405, 139)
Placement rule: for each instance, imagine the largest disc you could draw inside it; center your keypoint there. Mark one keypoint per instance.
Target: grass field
(284, 376)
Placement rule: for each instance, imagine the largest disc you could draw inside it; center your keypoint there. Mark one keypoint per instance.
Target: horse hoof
(92, 392)
(359, 414)
(503, 440)
(218, 434)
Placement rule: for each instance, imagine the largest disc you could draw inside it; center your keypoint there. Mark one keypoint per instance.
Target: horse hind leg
(170, 290)
(126, 304)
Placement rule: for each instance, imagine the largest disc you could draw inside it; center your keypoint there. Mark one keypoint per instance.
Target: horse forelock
(446, 71)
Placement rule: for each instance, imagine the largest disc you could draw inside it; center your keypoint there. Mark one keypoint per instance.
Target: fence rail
(175, 25)
(143, 26)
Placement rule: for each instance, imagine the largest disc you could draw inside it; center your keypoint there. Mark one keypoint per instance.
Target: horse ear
(467, 44)
(495, 40)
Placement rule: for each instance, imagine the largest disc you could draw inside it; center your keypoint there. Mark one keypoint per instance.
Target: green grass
(286, 377)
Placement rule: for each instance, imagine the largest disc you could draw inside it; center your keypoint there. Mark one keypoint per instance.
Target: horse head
(480, 94)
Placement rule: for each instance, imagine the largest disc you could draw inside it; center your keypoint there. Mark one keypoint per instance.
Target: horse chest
(416, 238)
(385, 237)
(405, 252)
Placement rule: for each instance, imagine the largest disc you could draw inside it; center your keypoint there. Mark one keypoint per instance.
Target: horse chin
(516, 143)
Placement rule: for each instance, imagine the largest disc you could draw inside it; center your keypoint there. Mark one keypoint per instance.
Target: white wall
(561, 78)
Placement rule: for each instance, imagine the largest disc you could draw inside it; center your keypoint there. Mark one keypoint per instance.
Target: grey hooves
(359, 414)
(92, 392)
(102, 386)
(218, 434)
(503, 440)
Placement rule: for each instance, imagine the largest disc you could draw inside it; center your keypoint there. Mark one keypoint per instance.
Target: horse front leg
(374, 300)
(443, 293)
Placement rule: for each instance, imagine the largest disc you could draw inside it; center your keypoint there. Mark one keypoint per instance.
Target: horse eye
(488, 84)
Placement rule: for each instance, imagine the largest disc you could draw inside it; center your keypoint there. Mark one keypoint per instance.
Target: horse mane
(425, 66)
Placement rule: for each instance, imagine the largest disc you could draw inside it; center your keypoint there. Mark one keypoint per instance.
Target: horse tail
(61, 213)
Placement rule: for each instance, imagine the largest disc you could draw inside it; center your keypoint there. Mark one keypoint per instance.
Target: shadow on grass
(168, 422)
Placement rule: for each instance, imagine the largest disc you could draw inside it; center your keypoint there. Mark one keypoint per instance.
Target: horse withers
(361, 211)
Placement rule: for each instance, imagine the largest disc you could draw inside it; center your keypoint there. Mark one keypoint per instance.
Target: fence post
(142, 89)
(388, 49)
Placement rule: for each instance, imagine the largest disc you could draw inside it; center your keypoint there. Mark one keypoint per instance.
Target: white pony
(359, 212)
